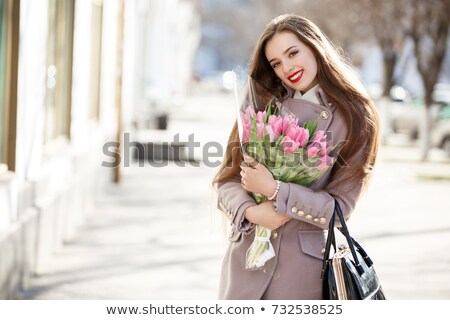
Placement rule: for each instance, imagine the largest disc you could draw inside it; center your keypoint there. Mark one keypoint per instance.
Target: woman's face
(293, 61)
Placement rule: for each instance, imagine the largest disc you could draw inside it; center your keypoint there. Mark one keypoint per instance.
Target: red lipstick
(296, 76)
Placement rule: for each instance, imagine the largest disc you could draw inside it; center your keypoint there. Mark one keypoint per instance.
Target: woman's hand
(255, 177)
(265, 215)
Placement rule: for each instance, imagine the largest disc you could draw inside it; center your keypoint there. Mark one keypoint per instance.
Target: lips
(296, 76)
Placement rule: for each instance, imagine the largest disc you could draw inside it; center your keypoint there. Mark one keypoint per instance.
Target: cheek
(312, 64)
(278, 72)
(313, 69)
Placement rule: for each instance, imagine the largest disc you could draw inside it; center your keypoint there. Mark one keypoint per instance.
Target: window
(59, 69)
(9, 44)
(96, 52)
(3, 121)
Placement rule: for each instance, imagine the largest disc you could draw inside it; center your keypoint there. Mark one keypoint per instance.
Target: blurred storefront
(172, 31)
(74, 75)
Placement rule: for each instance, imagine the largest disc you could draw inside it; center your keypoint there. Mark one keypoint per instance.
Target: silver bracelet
(276, 191)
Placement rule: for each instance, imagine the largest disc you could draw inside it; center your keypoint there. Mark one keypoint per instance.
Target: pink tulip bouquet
(292, 153)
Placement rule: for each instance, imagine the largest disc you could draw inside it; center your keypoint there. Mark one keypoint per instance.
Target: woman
(295, 61)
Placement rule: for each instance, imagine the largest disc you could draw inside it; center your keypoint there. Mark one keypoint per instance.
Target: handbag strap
(332, 238)
(363, 253)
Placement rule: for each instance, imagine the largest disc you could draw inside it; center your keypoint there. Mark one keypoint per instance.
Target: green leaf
(311, 126)
(253, 131)
(260, 152)
(259, 198)
(276, 103)
(266, 145)
(269, 112)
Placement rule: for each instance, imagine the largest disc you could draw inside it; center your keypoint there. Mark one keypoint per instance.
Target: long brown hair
(337, 80)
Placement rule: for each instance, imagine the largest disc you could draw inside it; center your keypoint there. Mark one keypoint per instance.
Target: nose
(287, 68)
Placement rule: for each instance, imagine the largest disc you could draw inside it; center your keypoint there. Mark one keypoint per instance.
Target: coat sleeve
(317, 206)
(233, 200)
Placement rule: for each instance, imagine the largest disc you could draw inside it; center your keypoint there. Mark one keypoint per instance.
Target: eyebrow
(283, 53)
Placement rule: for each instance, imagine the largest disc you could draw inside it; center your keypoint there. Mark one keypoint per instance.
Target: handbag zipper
(339, 275)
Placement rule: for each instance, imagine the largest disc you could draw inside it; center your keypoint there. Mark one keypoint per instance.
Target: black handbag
(349, 273)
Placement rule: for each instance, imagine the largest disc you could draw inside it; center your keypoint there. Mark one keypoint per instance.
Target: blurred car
(405, 112)
(215, 80)
(440, 134)
(441, 93)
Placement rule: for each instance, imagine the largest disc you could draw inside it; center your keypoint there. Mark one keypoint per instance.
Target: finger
(251, 162)
(242, 173)
(243, 164)
(256, 165)
(248, 159)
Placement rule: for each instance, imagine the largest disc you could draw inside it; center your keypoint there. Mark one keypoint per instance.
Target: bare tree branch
(430, 22)
(387, 19)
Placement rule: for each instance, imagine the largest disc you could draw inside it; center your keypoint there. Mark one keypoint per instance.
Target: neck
(311, 86)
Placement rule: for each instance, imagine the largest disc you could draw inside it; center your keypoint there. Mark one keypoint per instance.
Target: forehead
(281, 41)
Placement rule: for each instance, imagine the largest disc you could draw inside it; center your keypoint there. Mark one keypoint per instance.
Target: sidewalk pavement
(403, 222)
(157, 235)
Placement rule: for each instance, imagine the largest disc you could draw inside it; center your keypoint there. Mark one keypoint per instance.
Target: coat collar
(310, 95)
(320, 94)
(306, 110)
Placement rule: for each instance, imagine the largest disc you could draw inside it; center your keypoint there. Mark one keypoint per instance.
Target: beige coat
(295, 271)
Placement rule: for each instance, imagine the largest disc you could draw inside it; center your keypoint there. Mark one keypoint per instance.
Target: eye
(293, 53)
(275, 65)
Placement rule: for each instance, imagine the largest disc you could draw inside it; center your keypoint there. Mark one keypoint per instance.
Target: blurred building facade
(170, 34)
(228, 38)
(73, 74)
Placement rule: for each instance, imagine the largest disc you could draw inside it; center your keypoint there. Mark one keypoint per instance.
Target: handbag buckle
(342, 251)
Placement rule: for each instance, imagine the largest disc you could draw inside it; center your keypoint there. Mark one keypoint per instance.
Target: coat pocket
(312, 242)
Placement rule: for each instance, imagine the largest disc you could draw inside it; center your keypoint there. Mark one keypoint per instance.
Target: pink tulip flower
(260, 130)
(289, 122)
(319, 136)
(245, 135)
(303, 136)
(325, 162)
(289, 145)
(298, 134)
(273, 135)
(261, 116)
(312, 151)
(250, 112)
(246, 127)
(292, 132)
(276, 122)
